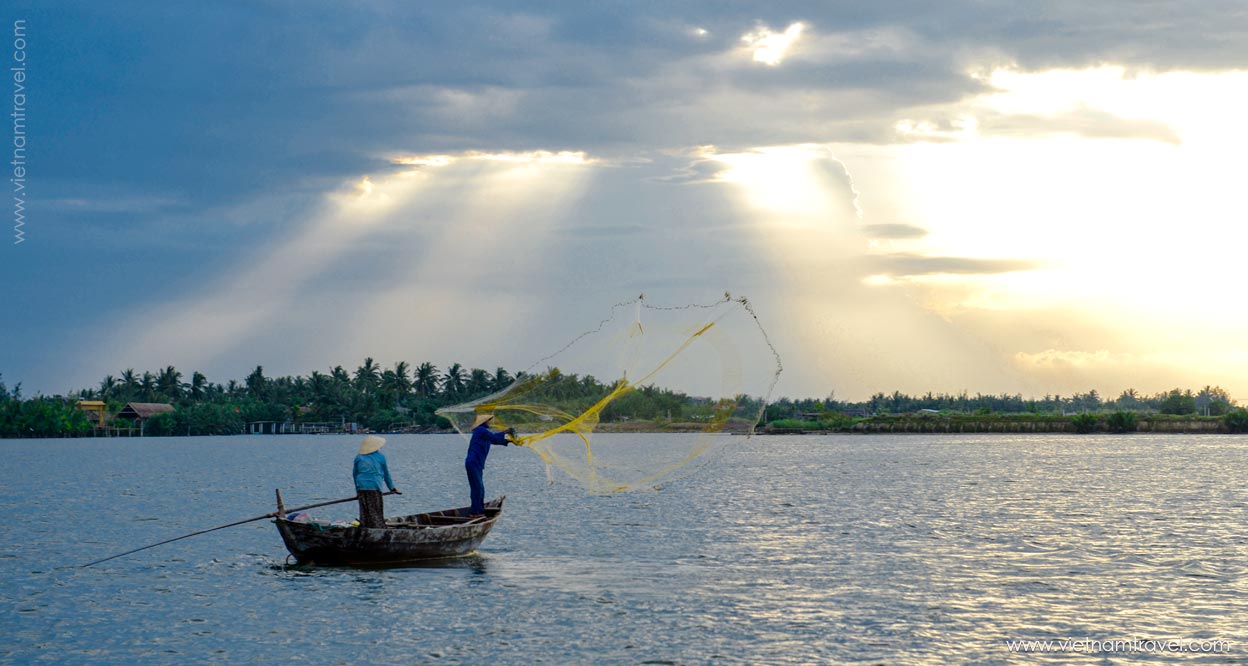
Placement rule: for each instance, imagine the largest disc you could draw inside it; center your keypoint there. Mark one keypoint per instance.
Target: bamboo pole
(273, 514)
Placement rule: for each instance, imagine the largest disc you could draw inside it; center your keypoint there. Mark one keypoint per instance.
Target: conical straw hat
(371, 443)
(481, 418)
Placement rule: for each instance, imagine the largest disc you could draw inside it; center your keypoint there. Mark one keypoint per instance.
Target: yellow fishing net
(636, 400)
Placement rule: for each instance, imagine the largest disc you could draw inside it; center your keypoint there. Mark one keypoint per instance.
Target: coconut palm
(501, 380)
(367, 376)
(426, 382)
(107, 387)
(453, 381)
(198, 386)
(388, 387)
(403, 377)
(147, 386)
(129, 383)
(321, 387)
(590, 385)
(257, 382)
(169, 383)
(478, 382)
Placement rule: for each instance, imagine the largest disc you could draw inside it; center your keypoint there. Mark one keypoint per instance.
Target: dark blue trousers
(477, 486)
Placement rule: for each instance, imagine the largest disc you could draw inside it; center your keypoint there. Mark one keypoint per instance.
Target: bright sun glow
(1115, 195)
(525, 157)
(1123, 187)
(782, 180)
(1102, 208)
(501, 201)
(770, 48)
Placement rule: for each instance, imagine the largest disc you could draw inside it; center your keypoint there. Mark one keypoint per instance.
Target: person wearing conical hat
(478, 448)
(370, 473)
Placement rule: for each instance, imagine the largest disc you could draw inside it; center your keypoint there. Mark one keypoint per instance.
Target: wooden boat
(423, 536)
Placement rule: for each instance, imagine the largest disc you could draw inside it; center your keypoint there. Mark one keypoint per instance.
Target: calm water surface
(841, 549)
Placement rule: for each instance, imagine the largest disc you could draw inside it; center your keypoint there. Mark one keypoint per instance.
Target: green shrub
(1178, 402)
(165, 424)
(1219, 408)
(1236, 421)
(1122, 421)
(1085, 423)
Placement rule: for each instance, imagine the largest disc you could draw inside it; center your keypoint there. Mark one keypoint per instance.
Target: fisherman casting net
(699, 375)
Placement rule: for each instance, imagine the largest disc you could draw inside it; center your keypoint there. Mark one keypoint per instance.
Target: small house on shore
(139, 412)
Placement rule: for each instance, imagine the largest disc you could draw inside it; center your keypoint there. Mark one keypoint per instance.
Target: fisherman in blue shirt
(370, 472)
(478, 448)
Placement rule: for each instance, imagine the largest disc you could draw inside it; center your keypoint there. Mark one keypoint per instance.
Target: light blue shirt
(370, 471)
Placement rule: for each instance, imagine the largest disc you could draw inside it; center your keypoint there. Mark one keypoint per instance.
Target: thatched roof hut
(141, 411)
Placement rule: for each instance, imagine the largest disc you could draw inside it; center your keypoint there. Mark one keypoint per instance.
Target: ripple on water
(788, 550)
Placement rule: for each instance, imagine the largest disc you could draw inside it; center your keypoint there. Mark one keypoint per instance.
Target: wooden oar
(274, 514)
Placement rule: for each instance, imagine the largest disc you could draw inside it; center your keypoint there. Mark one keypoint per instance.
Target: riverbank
(1115, 422)
(834, 423)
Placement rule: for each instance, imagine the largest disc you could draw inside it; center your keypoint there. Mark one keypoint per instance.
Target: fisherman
(370, 471)
(474, 463)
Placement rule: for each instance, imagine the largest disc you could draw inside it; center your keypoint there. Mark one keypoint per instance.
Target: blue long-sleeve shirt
(370, 471)
(479, 445)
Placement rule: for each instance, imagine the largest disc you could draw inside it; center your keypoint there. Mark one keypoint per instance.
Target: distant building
(140, 412)
(96, 408)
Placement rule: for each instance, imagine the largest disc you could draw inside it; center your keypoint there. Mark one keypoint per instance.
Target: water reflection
(910, 550)
(474, 562)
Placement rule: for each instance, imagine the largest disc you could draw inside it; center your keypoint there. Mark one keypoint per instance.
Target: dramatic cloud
(213, 180)
(770, 47)
(911, 265)
(1091, 123)
(894, 231)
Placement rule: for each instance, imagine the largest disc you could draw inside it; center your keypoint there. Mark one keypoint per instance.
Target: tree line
(404, 396)
(1208, 401)
(376, 398)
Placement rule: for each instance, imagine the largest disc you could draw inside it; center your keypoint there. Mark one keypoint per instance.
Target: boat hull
(425, 536)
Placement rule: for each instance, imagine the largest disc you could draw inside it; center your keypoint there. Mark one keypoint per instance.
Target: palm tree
(395, 384)
(256, 382)
(389, 387)
(107, 387)
(299, 385)
(367, 376)
(129, 383)
(147, 386)
(478, 382)
(340, 378)
(426, 382)
(502, 379)
(319, 385)
(199, 385)
(453, 381)
(591, 385)
(403, 377)
(169, 383)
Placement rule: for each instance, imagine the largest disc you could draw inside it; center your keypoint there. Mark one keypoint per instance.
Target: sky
(990, 197)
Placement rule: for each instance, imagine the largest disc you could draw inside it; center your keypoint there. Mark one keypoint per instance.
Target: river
(804, 549)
